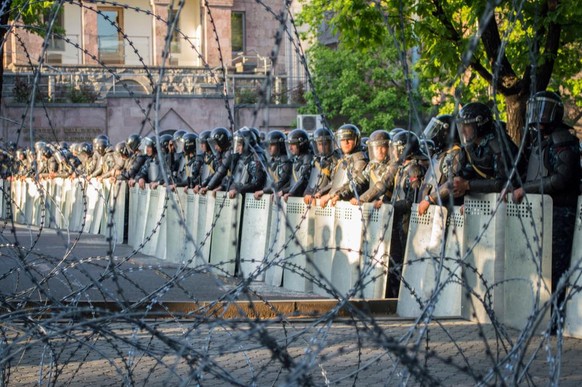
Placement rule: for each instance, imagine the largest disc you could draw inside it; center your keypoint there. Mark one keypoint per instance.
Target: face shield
(543, 110)
(434, 129)
(240, 145)
(323, 146)
(379, 150)
(214, 147)
(179, 145)
(467, 129)
(292, 148)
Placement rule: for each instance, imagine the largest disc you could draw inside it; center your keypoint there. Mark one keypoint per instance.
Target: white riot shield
(484, 239)
(424, 268)
(32, 209)
(275, 256)
(528, 260)
(345, 270)
(48, 199)
(95, 204)
(154, 221)
(450, 300)
(116, 211)
(132, 216)
(77, 206)
(4, 198)
(191, 240)
(106, 187)
(223, 250)
(299, 245)
(254, 235)
(67, 186)
(16, 193)
(204, 228)
(376, 249)
(58, 202)
(573, 324)
(175, 231)
(324, 248)
(141, 216)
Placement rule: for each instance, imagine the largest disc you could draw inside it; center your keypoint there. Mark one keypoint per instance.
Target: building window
(175, 40)
(238, 32)
(55, 40)
(110, 35)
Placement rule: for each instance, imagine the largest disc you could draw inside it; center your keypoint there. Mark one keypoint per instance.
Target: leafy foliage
(479, 50)
(361, 88)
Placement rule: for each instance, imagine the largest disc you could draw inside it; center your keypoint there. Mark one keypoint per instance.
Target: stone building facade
(104, 59)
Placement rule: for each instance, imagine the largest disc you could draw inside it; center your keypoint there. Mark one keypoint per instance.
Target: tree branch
(507, 79)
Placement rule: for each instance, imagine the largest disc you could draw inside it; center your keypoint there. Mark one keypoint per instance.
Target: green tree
(477, 50)
(361, 88)
(32, 14)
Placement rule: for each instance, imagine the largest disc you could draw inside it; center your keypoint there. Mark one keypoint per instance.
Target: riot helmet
(544, 108)
(379, 146)
(133, 142)
(323, 144)
(64, 145)
(348, 132)
(220, 138)
(149, 144)
(275, 141)
(300, 139)
(244, 141)
(403, 146)
(441, 131)
(202, 142)
(395, 131)
(178, 134)
(189, 143)
(122, 149)
(166, 141)
(427, 148)
(475, 121)
(100, 144)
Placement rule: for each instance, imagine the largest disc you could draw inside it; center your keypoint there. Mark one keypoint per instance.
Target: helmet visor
(434, 128)
(379, 150)
(323, 146)
(542, 110)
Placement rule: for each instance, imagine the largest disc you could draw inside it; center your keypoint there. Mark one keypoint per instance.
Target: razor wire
(74, 339)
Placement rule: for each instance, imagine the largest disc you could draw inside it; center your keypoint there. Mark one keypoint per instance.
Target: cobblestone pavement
(372, 352)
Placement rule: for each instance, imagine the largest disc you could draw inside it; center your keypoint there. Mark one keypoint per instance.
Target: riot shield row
(74, 205)
(491, 261)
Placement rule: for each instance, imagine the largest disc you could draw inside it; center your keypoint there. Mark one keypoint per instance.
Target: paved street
(451, 352)
(173, 326)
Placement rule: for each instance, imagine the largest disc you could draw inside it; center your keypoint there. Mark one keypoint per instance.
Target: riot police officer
(445, 164)
(248, 172)
(349, 167)
(219, 141)
(324, 162)
(371, 184)
(135, 161)
(299, 152)
(488, 152)
(189, 176)
(553, 169)
(279, 165)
